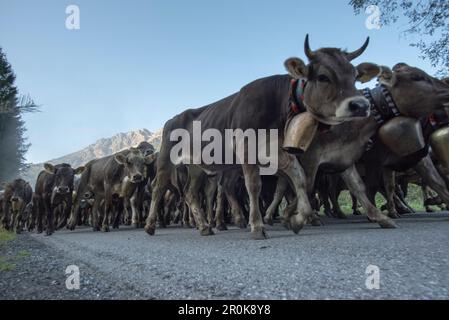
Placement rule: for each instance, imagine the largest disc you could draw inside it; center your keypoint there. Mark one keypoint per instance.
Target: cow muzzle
(137, 178)
(63, 190)
(354, 107)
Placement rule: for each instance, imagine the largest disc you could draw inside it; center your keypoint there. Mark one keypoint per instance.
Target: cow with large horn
(328, 92)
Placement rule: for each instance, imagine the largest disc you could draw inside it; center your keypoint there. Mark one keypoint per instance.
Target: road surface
(328, 262)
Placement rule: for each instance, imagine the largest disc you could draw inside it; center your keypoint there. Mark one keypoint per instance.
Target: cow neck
(383, 107)
(297, 105)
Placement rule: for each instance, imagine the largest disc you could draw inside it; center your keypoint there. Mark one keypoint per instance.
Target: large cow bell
(439, 141)
(299, 132)
(402, 135)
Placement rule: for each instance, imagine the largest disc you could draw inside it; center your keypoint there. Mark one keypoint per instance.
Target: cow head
(64, 177)
(416, 93)
(146, 148)
(18, 191)
(330, 93)
(134, 161)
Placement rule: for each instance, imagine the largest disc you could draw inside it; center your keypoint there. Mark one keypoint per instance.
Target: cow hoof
(339, 215)
(295, 226)
(316, 222)
(222, 227)
(241, 224)
(150, 230)
(207, 232)
(39, 231)
(394, 215)
(105, 228)
(259, 234)
(387, 224)
(212, 224)
(269, 221)
(356, 213)
(49, 233)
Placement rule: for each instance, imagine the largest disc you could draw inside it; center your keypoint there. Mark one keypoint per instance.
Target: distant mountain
(101, 148)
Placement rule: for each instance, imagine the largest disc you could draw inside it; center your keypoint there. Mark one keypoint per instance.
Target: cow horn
(309, 53)
(352, 55)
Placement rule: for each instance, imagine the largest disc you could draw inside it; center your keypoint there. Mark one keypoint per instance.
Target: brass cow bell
(299, 132)
(439, 141)
(402, 135)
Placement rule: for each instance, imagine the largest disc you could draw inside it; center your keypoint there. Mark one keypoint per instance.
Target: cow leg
(333, 195)
(219, 214)
(49, 210)
(390, 187)
(236, 209)
(290, 168)
(355, 206)
(323, 197)
(432, 178)
(281, 189)
(97, 213)
(210, 191)
(401, 206)
(196, 179)
(253, 183)
(65, 212)
(136, 211)
(356, 186)
(159, 188)
(108, 207)
(6, 213)
(39, 215)
(425, 197)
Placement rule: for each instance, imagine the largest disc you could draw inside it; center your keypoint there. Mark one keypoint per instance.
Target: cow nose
(137, 177)
(63, 189)
(359, 107)
(14, 199)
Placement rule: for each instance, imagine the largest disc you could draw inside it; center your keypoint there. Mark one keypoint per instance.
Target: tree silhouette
(13, 145)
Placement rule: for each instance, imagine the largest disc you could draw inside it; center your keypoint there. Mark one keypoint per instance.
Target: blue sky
(135, 64)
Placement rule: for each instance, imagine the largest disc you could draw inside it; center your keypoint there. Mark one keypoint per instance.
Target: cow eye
(323, 78)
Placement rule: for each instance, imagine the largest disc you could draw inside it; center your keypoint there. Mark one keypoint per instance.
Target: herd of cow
(365, 141)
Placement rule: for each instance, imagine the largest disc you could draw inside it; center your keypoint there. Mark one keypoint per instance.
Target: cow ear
(296, 68)
(150, 158)
(120, 158)
(79, 170)
(368, 71)
(49, 168)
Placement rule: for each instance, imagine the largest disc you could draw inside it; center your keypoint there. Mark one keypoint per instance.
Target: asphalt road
(326, 262)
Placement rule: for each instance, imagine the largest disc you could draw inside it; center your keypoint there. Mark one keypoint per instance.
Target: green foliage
(429, 19)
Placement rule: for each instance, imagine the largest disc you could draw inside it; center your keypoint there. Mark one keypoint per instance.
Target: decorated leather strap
(297, 95)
